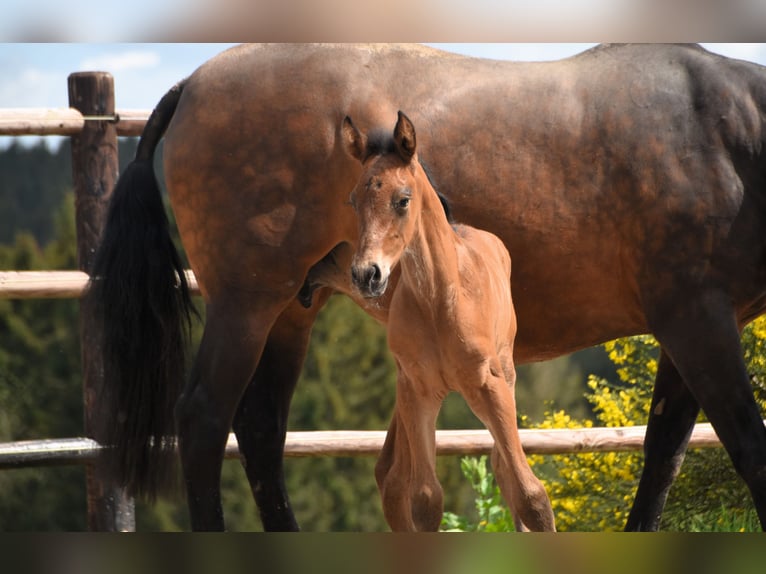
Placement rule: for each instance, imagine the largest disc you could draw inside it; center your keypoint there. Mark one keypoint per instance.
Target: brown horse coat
(628, 182)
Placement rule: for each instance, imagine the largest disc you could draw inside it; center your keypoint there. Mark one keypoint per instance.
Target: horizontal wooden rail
(65, 121)
(53, 284)
(51, 452)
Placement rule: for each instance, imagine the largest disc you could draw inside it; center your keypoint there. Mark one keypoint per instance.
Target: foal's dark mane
(380, 142)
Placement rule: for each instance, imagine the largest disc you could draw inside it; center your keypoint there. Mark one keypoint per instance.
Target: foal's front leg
(493, 402)
(411, 495)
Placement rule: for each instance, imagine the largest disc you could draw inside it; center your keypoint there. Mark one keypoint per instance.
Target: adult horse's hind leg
(260, 422)
(671, 420)
(234, 337)
(702, 339)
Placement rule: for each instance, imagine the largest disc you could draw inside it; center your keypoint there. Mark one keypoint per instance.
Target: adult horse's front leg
(671, 421)
(261, 419)
(231, 345)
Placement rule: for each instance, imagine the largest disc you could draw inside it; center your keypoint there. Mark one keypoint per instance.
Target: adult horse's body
(628, 182)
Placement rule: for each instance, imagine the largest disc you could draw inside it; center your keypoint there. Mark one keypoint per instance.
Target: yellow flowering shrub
(594, 491)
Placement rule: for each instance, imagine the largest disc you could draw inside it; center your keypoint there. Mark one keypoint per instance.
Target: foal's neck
(429, 263)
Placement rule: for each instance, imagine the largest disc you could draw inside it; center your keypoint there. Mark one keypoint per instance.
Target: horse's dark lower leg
(201, 442)
(226, 360)
(671, 420)
(261, 419)
(261, 426)
(702, 340)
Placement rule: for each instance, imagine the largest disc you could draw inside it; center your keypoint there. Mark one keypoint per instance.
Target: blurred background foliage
(347, 383)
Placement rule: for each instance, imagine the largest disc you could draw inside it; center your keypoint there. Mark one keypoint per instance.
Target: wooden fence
(94, 125)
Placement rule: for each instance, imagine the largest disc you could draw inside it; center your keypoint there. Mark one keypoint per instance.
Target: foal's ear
(354, 141)
(404, 136)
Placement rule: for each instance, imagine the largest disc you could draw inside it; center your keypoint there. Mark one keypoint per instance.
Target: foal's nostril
(374, 276)
(367, 278)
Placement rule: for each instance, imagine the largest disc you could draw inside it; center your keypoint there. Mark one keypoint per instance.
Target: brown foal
(451, 327)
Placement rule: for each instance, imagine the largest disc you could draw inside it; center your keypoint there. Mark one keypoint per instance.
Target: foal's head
(387, 199)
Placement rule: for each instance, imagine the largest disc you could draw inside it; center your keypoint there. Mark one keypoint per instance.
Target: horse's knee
(428, 506)
(186, 409)
(395, 500)
(200, 432)
(409, 505)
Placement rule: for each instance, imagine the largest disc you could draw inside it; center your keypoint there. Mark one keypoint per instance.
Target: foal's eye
(401, 203)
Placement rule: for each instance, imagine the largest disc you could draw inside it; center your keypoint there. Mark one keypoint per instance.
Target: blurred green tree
(40, 386)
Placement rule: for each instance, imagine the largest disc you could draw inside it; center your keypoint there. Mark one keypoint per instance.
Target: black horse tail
(139, 298)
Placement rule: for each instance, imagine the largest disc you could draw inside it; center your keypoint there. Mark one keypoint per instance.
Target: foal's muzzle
(369, 280)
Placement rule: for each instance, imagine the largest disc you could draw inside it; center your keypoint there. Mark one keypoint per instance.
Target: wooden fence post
(95, 167)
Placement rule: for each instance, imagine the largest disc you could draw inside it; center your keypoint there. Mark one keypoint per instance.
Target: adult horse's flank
(629, 182)
(450, 326)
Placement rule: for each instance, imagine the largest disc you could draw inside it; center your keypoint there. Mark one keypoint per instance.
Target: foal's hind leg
(231, 346)
(261, 419)
(671, 420)
(702, 339)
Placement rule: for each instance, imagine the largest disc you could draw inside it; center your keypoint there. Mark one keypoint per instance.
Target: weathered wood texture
(53, 284)
(95, 167)
(368, 443)
(67, 121)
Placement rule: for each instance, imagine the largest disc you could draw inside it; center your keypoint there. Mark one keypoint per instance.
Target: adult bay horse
(450, 326)
(629, 182)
